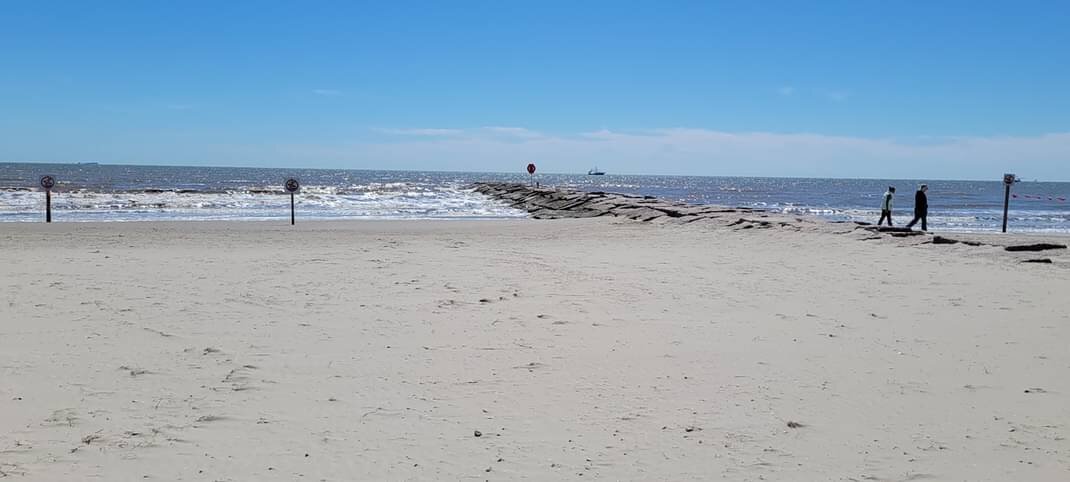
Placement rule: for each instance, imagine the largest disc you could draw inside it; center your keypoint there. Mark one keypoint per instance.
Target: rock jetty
(547, 203)
(555, 203)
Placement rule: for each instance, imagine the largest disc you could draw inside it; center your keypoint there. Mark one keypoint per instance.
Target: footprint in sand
(134, 372)
(63, 416)
(239, 379)
(7, 469)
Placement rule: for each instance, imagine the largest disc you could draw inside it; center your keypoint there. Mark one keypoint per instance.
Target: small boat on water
(596, 172)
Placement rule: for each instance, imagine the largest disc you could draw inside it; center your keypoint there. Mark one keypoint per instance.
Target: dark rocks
(672, 213)
(1035, 247)
(643, 213)
(907, 233)
(895, 229)
(550, 203)
(943, 240)
(745, 223)
(544, 203)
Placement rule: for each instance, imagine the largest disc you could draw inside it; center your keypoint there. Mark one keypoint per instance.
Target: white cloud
(697, 152)
(838, 96)
(786, 91)
(419, 132)
(327, 92)
(490, 132)
(512, 131)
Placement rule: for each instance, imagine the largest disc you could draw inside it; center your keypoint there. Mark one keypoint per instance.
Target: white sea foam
(379, 201)
(128, 193)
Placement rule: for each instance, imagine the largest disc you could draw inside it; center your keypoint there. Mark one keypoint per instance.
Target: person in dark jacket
(921, 208)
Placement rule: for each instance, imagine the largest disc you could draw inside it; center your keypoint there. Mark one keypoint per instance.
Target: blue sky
(855, 89)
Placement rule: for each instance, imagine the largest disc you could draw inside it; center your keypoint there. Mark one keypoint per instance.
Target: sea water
(90, 192)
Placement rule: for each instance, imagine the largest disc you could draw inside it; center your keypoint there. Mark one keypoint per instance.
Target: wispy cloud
(518, 132)
(327, 92)
(419, 132)
(489, 132)
(786, 91)
(838, 95)
(692, 151)
(179, 107)
(712, 152)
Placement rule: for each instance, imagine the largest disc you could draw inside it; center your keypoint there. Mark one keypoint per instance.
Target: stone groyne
(548, 203)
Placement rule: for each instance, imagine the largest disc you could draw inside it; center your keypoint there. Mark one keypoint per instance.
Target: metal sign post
(531, 174)
(48, 182)
(292, 186)
(1008, 179)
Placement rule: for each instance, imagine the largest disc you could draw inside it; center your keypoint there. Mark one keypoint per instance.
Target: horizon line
(519, 173)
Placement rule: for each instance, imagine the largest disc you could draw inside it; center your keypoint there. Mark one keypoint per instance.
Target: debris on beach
(88, 439)
(1035, 247)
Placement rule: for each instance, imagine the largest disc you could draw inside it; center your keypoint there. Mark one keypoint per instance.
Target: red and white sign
(531, 169)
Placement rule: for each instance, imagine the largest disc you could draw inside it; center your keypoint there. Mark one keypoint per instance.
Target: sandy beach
(570, 349)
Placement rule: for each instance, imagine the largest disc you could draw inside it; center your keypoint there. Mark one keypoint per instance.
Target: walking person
(886, 206)
(921, 208)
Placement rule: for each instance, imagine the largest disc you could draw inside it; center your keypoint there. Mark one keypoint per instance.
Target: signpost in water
(531, 173)
(1008, 179)
(292, 186)
(48, 182)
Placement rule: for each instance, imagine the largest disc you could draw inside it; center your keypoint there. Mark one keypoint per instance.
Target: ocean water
(136, 193)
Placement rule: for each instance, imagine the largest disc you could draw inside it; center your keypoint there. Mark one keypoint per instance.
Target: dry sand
(577, 349)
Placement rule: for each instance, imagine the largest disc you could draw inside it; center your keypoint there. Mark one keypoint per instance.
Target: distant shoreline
(131, 193)
(519, 173)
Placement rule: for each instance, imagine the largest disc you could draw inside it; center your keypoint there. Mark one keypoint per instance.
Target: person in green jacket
(886, 206)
